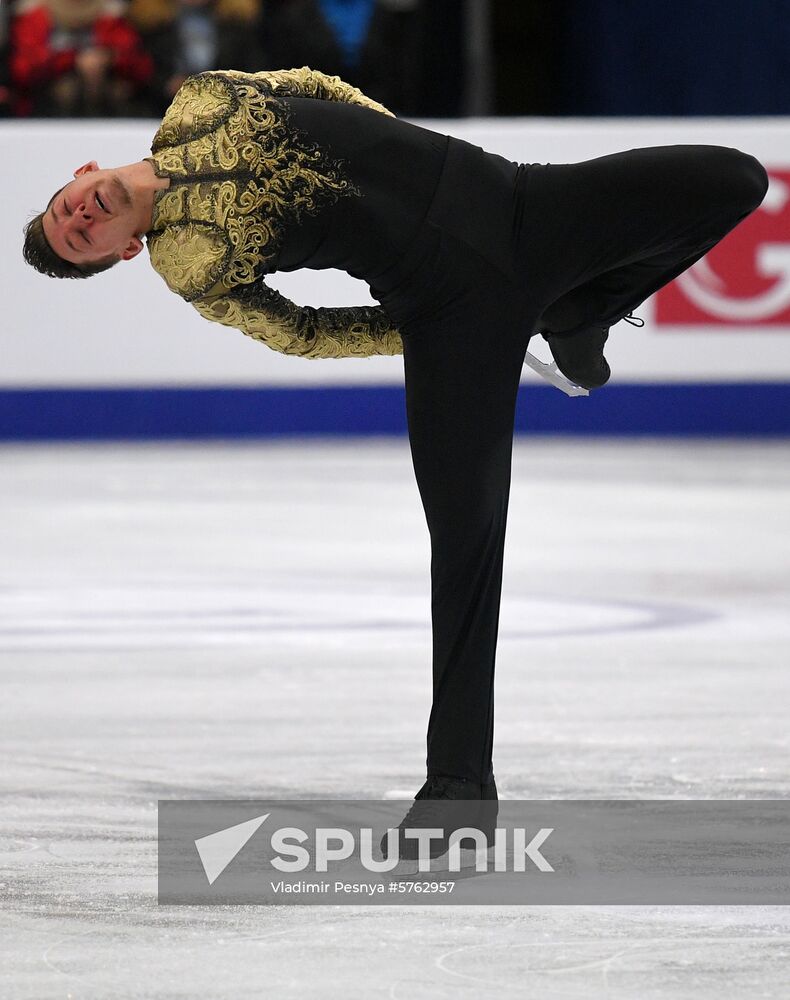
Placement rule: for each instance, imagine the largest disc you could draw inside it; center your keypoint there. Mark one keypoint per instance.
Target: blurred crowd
(421, 58)
(126, 58)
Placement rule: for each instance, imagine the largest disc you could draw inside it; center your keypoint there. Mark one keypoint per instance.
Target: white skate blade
(553, 375)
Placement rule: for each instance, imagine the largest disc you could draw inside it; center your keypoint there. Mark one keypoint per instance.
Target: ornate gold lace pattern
(239, 173)
(264, 314)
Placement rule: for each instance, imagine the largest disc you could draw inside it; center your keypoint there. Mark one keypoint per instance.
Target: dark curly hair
(40, 255)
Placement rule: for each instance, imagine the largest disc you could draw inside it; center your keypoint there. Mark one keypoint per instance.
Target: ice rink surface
(252, 621)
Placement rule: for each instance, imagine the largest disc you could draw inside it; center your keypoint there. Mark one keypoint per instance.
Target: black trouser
(589, 242)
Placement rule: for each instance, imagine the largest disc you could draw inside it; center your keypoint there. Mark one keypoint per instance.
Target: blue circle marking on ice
(201, 613)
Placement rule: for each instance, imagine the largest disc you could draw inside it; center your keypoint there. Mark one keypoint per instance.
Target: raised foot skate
(579, 364)
(552, 374)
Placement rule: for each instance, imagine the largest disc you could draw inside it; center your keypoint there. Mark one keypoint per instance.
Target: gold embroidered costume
(240, 174)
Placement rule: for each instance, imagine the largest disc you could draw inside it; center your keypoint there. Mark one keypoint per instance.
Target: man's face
(92, 217)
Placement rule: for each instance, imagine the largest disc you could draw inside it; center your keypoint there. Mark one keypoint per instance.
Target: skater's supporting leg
(461, 388)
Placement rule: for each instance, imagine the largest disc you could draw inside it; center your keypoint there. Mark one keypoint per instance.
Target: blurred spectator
(191, 36)
(5, 91)
(376, 45)
(75, 57)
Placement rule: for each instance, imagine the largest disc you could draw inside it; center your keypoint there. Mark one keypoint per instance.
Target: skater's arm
(264, 314)
(306, 82)
(196, 261)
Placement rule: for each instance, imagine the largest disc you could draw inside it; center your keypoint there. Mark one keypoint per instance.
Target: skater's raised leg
(625, 225)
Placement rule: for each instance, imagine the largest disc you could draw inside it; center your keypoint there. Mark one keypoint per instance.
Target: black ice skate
(579, 363)
(579, 356)
(447, 804)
